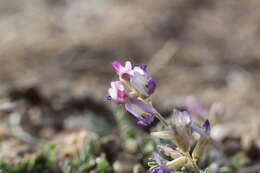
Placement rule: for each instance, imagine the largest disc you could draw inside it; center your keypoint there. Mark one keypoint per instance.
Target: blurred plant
(234, 164)
(180, 133)
(88, 160)
(42, 162)
(133, 91)
(133, 141)
(179, 144)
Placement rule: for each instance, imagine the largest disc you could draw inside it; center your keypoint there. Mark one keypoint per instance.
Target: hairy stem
(161, 118)
(157, 114)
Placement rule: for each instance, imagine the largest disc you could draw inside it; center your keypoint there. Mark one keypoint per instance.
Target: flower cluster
(181, 134)
(133, 90)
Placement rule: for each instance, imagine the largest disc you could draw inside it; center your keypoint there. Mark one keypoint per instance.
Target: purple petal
(117, 66)
(162, 167)
(144, 106)
(139, 81)
(151, 86)
(157, 158)
(121, 95)
(206, 126)
(144, 67)
(198, 130)
(142, 123)
(141, 111)
(149, 118)
(157, 170)
(165, 168)
(133, 109)
(109, 98)
(145, 119)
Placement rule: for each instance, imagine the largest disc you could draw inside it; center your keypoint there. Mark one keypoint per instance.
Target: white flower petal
(112, 92)
(139, 70)
(128, 65)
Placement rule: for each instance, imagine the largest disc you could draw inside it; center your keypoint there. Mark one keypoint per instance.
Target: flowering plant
(133, 91)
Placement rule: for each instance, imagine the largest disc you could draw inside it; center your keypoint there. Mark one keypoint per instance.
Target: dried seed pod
(168, 151)
(177, 163)
(199, 148)
(204, 137)
(180, 139)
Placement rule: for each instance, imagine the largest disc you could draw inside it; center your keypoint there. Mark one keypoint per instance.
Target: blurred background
(55, 64)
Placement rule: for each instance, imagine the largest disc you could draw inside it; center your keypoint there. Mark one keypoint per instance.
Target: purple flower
(117, 92)
(163, 168)
(144, 67)
(204, 131)
(133, 85)
(124, 72)
(142, 81)
(143, 112)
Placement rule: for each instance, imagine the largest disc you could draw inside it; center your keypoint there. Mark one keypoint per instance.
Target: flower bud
(181, 130)
(143, 112)
(199, 148)
(168, 151)
(203, 140)
(180, 139)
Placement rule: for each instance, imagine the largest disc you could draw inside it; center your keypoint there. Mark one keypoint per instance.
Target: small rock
(124, 164)
(131, 145)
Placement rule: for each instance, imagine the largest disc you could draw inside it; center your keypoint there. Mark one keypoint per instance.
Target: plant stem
(161, 118)
(157, 114)
(193, 162)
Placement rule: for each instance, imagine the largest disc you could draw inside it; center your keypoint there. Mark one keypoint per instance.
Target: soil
(56, 63)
